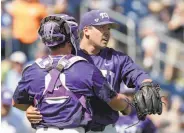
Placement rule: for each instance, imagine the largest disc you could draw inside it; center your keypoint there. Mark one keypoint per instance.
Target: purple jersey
(82, 78)
(118, 68)
(145, 126)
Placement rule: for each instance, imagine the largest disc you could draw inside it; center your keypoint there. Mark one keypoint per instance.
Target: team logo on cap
(104, 15)
(97, 19)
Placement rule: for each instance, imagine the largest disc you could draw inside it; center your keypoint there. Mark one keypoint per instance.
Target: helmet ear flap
(67, 31)
(67, 28)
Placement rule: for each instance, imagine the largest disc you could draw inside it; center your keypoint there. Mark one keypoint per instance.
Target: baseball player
(55, 86)
(118, 68)
(130, 124)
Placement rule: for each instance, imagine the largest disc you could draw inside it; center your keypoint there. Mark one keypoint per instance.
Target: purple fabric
(54, 73)
(95, 17)
(146, 126)
(88, 113)
(79, 81)
(119, 69)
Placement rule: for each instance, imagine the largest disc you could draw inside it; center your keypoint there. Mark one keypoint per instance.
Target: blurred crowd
(159, 34)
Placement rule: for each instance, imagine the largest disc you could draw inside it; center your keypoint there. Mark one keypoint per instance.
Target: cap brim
(112, 24)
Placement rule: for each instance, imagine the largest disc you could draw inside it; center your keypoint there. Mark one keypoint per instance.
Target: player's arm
(22, 107)
(103, 91)
(120, 103)
(132, 75)
(21, 98)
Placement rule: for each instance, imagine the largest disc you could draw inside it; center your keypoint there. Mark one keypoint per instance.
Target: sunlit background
(149, 31)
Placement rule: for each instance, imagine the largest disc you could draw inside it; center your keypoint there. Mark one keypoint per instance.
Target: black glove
(147, 100)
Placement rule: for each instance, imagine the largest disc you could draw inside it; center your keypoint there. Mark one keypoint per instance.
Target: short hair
(81, 35)
(61, 45)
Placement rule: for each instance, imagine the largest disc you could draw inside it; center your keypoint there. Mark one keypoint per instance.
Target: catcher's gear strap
(63, 63)
(45, 63)
(66, 63)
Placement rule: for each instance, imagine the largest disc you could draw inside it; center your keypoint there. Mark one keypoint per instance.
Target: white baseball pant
(108, 129)
(57, 130)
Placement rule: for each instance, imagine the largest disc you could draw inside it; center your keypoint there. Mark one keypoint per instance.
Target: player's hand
(127, 109)
(33, 115)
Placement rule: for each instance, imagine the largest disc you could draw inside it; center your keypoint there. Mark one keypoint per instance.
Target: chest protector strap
(64, 63)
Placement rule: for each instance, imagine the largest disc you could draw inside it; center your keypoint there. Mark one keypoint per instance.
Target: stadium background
(150, 31)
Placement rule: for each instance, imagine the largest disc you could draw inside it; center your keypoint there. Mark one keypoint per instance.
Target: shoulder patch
(42, 63)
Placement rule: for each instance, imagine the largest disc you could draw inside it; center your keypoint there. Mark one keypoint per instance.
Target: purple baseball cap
(6, 96)
(95, 17)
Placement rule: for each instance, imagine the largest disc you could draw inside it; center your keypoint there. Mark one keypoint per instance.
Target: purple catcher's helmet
(59, 28)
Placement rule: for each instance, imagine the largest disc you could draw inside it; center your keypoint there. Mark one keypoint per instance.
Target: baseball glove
(147, 100)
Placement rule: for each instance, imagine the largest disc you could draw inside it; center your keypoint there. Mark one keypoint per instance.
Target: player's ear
(86, 31)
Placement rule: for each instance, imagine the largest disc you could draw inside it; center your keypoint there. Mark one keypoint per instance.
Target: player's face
(99, 35)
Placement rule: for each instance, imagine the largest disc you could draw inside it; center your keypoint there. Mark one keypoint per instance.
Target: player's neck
(61, 51)
(88, 47)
